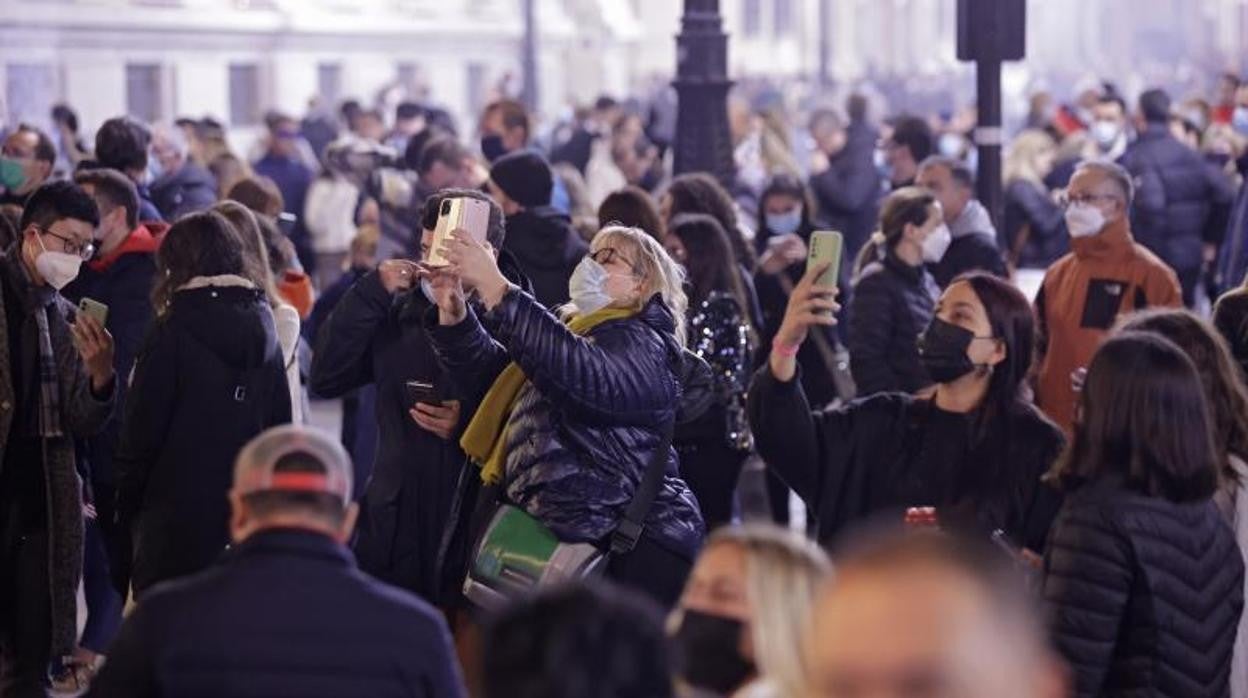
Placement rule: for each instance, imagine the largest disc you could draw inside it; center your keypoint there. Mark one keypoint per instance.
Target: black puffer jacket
(192, 188)
(209, 378)
(875, 457)
(1144, 594)
(893, 303)
(1028, 205)
(547, 248)
(1181, 201)
(587, 421)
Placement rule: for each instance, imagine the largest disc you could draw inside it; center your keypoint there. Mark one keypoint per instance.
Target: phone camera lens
(446, 207)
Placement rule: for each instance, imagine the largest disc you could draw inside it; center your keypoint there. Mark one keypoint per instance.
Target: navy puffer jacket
(1144, 594)
(586, 423)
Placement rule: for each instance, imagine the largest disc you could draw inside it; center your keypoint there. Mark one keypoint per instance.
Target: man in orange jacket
(1106, 275)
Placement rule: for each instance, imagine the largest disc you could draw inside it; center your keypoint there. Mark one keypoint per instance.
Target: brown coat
(1084, 293)
(81, 415)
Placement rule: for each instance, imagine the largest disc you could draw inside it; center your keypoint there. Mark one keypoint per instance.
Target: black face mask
(492, 147)
(942, 350)
(709, 655)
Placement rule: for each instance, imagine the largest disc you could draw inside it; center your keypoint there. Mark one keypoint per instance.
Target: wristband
(787, 351)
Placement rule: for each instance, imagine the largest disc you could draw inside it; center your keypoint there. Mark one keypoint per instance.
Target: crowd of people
(542, 485)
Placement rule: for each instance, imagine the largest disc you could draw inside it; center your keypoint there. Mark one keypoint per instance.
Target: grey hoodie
(974, 220)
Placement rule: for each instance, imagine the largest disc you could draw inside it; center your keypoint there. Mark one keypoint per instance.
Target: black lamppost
(529, 55)
(703, 139)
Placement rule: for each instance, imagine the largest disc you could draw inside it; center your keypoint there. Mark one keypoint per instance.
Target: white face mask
(936, 244)
(588, 286)
(57, 268)
(1106, 133)
(1083, 220)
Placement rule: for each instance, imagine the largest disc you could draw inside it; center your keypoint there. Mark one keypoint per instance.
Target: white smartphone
(471, 215)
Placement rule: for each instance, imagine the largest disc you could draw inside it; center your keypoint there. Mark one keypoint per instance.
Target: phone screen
(826, 246)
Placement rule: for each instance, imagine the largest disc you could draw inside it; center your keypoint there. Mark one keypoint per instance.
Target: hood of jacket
(229, 316)
(543, 237)
(974, 220)
(190, 175)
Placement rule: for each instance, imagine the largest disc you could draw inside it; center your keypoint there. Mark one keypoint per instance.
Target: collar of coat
(218, 281)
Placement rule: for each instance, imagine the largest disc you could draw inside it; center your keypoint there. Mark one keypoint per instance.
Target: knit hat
(525, 177)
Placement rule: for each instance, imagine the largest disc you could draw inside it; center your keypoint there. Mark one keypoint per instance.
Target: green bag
(517, 553)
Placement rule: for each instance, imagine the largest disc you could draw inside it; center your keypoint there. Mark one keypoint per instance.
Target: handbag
(517, 553)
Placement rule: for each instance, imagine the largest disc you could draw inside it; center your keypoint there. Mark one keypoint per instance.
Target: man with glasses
(1105, 275)
(26, 162)
(56, 383)
(540, 236)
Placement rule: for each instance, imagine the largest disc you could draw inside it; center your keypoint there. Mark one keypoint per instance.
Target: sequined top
(720, 334)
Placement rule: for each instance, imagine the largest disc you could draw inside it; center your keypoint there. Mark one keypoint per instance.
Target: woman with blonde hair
(745, 612)
(1034, 230)
(577, 408)
(259, 271)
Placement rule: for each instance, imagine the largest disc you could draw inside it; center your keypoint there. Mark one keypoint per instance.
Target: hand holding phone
(459, 213)
(419, 391)
(826, 247)
(94, 309)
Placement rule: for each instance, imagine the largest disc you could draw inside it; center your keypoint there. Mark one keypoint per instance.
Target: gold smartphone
(826, 246)
(460, 213)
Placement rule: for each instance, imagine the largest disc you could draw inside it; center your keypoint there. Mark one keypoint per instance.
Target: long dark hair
(1143, 418)
(698, 192)
(709, 262)
(908, 205)
(1219, 375)
(198, 244)
(784, 184)
(631, 207)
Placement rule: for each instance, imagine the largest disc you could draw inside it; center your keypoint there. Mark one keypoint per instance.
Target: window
(29, 92)
(244, 94)
(752, 17)
(783, 18)
(143, 91)
(329, 82)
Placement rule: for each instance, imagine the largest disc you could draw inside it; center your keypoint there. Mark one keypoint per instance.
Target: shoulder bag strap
(831, 352)
(630, 528)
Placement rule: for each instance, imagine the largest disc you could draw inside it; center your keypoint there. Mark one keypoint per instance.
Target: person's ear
(349, 518)
(239, 519)
(999, 353)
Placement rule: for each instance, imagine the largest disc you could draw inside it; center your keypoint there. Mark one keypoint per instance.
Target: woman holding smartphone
(569, 428)
(975, 449)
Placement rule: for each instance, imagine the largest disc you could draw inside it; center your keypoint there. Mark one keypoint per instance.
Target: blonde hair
(1022, 158)
(783, 574)
(655, 268)
(254, 250)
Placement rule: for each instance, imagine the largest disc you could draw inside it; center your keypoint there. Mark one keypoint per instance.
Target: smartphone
(826, 246)
(94, 309)
(418, 391)
(471, 215)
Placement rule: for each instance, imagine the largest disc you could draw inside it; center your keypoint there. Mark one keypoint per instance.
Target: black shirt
(21, 475)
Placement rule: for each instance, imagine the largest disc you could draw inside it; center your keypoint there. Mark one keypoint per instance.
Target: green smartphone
(95, 309)
(826, 246)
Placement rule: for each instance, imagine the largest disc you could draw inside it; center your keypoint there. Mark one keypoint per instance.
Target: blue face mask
(587, 286)
(784, 223)
(1239, 120)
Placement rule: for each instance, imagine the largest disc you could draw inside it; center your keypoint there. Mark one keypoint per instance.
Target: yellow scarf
(484, 439)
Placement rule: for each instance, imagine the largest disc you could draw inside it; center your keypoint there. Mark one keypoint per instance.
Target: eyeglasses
(1067, 200)
(606, 255)
(72, 246)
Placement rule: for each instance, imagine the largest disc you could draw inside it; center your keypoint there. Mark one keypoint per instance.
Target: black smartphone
(418, 391)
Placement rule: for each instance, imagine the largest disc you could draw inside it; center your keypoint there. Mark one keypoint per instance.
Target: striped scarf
(49, 394)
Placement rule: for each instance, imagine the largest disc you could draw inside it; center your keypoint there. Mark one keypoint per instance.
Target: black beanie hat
(525, 177)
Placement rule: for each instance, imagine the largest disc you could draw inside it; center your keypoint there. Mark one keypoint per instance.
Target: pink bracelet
(787, 351)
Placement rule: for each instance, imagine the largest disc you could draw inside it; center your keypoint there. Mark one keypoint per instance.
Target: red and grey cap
(293, 458)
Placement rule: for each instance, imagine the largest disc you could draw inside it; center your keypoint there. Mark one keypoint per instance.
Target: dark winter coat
(1233, 257)
(82, 414)
(547, 248)
(286, 613)
(191, 188)
(849, 190)
(1181, 201)
(122, 281)
(866, 460)
(1144, 594)
(374, 337)
(1028, 205)
(893, 303)
(586, 423)
(209, 378)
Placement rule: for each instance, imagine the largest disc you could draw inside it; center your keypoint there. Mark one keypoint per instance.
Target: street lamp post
(703, 138)
(529, 57)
